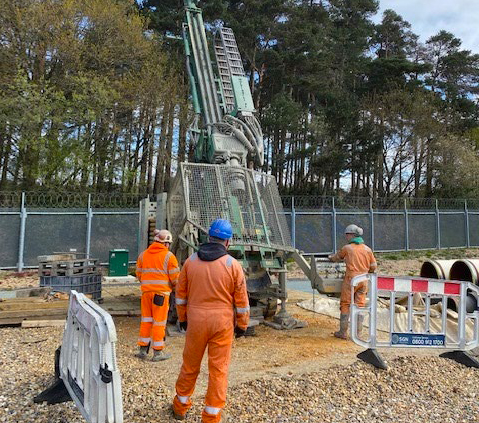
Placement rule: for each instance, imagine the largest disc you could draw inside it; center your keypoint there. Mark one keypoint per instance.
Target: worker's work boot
(142, 353)
(343, 327)
(177, 416)
(224, 417)
(160, 355)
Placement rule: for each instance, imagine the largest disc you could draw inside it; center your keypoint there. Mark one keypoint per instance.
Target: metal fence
(317, 223)
(33, 224)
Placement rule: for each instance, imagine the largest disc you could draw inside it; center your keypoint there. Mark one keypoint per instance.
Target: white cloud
(428, 17)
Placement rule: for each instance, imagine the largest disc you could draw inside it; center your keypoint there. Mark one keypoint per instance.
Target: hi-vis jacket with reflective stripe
(157, 269)
(359, 259)
(218, 284)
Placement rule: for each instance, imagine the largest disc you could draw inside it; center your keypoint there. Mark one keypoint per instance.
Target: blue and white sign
(418, 340)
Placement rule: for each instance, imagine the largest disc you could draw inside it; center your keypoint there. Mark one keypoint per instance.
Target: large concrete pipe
(453, 303)
(437, 269)
(465, 270)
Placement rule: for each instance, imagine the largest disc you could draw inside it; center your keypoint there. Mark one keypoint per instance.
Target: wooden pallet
(69, 268)
(56, 257)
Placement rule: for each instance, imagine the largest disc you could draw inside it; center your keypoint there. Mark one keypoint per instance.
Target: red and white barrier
(431, 290)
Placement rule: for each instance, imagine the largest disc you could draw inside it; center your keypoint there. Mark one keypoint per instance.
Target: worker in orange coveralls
(212, 305)
(359, 259)
(157, 270)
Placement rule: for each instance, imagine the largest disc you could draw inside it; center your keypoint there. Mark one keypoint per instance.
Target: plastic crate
(86, 284)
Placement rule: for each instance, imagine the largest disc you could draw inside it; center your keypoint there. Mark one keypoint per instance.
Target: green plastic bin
(118, 263)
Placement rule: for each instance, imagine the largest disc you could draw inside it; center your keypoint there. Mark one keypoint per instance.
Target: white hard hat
(353, 229)
(163, 235)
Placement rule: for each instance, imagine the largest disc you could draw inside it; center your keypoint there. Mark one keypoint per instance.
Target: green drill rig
(222, 183)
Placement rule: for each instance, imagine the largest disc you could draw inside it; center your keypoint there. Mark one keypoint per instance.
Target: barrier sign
(417, 339)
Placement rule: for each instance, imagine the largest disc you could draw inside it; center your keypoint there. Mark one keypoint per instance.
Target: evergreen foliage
(93, 95)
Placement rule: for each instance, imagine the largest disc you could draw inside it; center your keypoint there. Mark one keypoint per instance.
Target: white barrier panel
(434, 330)
(88, 365)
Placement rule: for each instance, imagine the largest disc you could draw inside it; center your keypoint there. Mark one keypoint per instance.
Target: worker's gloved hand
(239, 332)
(330, 257)
(183, 326)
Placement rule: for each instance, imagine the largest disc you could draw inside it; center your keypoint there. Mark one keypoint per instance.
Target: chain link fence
(37, 223)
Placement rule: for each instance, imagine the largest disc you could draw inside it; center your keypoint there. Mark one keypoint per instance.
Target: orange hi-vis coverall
(359, 259)
(210, 295)
(157, 270)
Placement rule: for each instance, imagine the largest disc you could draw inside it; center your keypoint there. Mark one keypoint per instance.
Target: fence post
(438, 228)
(371, 221)
(466, 215)
(335, 246)
(89, 217)
(406, 225)
(293, 222)
(21, 243)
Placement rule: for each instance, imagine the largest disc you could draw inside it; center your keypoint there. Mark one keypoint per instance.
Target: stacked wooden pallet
(70, 267)
(65, 272)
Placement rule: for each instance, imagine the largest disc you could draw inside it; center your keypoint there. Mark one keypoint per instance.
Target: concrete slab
(25, 292)
(119, 280)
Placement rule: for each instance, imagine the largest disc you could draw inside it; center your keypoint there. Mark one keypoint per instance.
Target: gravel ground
(414, 389)
(277, 377)
(13, 280)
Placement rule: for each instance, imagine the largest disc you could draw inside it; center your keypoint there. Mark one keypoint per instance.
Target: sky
(428, 17)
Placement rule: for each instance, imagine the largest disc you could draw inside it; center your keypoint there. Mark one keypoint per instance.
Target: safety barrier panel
(87, 364)
(419, 332)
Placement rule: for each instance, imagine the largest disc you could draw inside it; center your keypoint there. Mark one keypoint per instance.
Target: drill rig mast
(225, 129)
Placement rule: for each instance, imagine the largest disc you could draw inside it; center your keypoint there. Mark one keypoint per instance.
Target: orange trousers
(360, 292)
(153, 320)
(212, 328)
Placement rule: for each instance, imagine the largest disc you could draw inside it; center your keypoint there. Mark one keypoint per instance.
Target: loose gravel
(419, 389)
(414, 389)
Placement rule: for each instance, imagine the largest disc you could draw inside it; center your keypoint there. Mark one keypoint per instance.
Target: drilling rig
(222, 182)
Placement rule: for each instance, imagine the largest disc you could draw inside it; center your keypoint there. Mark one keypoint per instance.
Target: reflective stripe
(155, 282)
(146, 270)
(181, 301)
(229, 261)
(147, 340)
(241, 310)
(162, 323)
(147, 319)
(183, 400)
(212, 410)
(167, 259)
(158, 343)
(173, 271)
(194, 256)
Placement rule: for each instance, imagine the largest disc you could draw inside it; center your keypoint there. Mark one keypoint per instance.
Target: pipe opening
(451, 304)
(471, 303)
(460, 271)
(428, 270)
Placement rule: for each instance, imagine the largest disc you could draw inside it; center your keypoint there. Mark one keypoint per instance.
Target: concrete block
(120, 280)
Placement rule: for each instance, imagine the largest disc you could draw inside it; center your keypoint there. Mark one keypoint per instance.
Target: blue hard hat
(221, 228)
